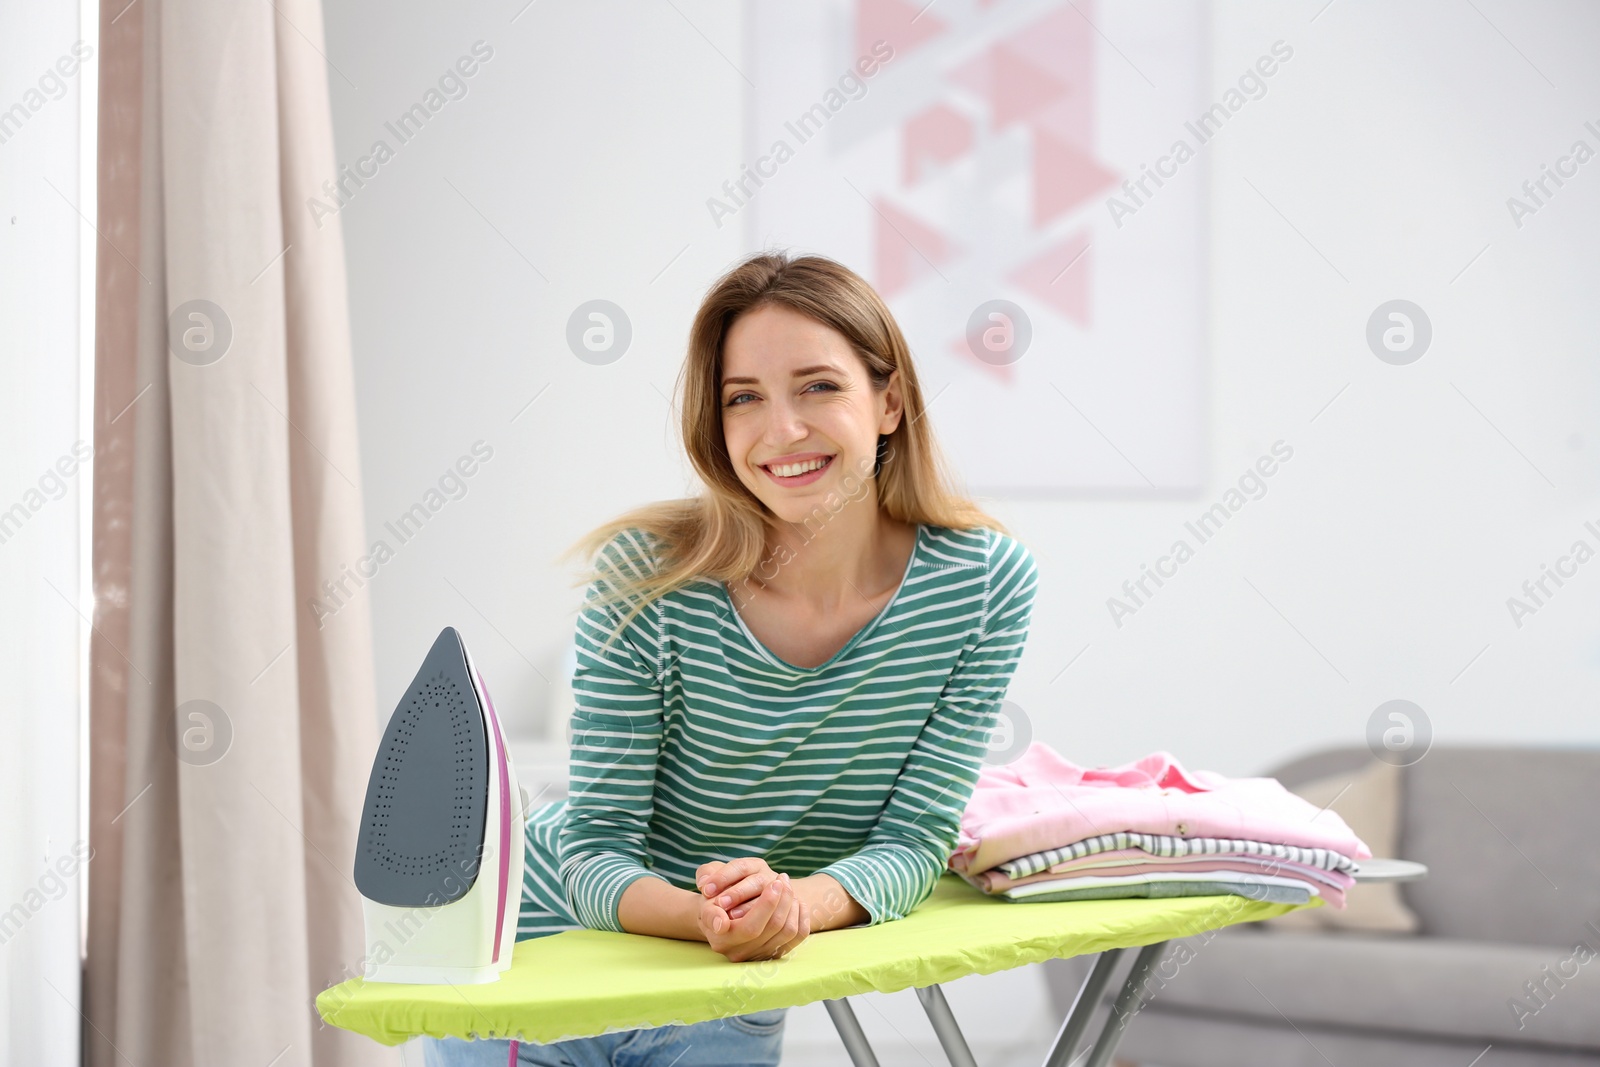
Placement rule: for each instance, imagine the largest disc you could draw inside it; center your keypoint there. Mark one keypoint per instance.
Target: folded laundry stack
(1043, 828)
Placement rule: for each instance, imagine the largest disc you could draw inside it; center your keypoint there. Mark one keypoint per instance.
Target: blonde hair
(721, 534)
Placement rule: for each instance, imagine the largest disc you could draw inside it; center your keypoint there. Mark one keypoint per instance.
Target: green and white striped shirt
(692, 742)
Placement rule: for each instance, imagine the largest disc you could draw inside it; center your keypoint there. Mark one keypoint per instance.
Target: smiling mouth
(808, 472)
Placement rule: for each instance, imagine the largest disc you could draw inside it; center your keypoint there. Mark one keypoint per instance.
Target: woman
(785, 685)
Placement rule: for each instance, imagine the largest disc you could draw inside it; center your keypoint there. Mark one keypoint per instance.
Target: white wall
(1376, 566)
(1376, 167)
(45, 251)
(574, 168)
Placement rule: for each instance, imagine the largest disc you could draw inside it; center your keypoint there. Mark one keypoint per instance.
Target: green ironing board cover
(587, 982)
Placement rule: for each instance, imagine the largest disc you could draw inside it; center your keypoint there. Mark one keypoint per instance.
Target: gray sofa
(1511, 837)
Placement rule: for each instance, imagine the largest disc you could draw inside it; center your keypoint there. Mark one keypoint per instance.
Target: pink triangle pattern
(1060, 277)
(1042, 76)
(936, 135)
(1064, 176)
(1021, 87)
(896, 23)
(899, 263)
(1064, 41)
(976, 75)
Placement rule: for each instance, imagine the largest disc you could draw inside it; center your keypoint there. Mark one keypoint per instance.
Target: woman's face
(796, 396)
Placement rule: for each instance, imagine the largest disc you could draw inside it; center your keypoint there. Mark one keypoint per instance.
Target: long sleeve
(616, 736)
(907, 851)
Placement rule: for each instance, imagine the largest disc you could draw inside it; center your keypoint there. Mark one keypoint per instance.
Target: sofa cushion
(1416, 985)
(1369, 803)
(1508, 841)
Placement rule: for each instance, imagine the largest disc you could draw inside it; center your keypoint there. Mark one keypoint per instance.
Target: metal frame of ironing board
(1073, 1028)
(1084, 1004)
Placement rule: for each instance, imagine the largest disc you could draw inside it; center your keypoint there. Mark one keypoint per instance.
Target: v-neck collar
(855, 639)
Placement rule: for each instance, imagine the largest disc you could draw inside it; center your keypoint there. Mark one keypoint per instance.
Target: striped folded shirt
(1166, 846)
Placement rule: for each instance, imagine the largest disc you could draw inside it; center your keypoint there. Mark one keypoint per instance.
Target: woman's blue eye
(733, 401)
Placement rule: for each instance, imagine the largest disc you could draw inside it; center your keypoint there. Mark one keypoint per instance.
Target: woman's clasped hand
(748, 911)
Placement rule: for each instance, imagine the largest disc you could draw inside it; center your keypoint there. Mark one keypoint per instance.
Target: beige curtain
(232, 731)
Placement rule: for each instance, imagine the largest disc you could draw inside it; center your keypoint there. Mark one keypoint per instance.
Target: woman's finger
(782, 924)
(731, 872)
(735, 908)
(788, 933)
(784, 929)
(752, 927)
(803, 929)
(710, 877)
(738, 907)
(747, 888)
(707, 871)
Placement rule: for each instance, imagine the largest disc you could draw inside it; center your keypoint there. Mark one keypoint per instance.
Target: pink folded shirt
(1043, 800)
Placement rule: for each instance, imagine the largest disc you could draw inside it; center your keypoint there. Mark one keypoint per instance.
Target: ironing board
(587, 982)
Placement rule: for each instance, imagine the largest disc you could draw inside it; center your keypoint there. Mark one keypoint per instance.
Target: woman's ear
(893, 404)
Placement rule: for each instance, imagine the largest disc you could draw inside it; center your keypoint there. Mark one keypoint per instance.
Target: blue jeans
(754, 1040)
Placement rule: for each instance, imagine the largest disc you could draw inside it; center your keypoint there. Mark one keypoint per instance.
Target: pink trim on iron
(505, 822)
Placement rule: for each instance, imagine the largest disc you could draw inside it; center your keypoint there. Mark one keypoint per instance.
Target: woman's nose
(784, 424)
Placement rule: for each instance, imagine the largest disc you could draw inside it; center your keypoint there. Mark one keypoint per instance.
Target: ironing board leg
(855, 1041)
(1072, 1030)
(944, 1024)
(939, 1014)
(1076, 1024)
(1123, 1007)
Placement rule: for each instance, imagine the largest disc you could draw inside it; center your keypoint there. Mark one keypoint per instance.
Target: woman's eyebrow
(828, 368)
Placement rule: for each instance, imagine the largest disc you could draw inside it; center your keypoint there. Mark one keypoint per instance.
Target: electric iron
(439, 857)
